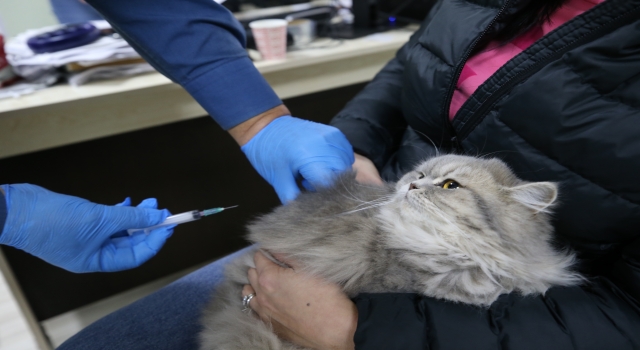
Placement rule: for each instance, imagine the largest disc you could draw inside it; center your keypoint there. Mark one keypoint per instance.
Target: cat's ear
(538, 196)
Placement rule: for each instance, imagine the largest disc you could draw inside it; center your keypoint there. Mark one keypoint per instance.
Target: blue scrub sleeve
(3, 210)
(199, 45)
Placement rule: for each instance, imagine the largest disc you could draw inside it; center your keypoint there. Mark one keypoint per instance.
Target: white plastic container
(271, 38)
(303, 31)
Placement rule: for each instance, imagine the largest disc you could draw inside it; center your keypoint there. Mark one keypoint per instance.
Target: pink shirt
(482, 65)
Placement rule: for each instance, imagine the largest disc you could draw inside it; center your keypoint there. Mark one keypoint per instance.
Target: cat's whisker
(492, 263)
(374, 201)
(353, 197)
(484, 144)
(347, 189)
(369, 207)
(363, 202)
(365, 208)
(494, 152)
(430, 140)
(437, 211)
(427, 154)
(381, 199)
(366, 185)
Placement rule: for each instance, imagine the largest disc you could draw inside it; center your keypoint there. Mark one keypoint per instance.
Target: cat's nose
(412, 186)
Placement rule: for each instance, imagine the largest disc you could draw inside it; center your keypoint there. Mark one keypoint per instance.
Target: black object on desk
(370, 16)
(373, 16)
(67, 37)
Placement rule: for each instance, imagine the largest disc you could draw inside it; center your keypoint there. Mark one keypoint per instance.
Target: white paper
(109, 72)
(30, 65)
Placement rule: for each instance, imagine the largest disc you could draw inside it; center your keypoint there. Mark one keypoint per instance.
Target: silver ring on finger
(246, 300)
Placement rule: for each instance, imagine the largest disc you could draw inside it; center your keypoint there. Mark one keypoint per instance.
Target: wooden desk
(64, 115)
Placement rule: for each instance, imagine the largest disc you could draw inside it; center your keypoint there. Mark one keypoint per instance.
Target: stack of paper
(97, 60)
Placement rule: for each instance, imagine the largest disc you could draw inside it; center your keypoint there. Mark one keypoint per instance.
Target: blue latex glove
(290, 148)
(78, 235)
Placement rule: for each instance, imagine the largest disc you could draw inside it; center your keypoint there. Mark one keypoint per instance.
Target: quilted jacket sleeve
(373, 120)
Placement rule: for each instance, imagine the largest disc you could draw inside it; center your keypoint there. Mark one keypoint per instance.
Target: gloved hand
(289, 148)
(78, 235)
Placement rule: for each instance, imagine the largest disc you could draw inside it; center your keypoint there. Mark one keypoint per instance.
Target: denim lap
(166, 319)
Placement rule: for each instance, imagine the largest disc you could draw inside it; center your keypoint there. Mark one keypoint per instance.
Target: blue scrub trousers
(166, 319)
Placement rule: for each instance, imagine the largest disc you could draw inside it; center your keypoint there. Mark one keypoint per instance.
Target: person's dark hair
(533, 13)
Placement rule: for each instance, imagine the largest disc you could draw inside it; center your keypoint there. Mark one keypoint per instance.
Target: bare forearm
(243, 132)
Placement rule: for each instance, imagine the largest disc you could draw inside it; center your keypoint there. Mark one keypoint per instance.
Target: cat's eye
(450, 185)
(421, 175)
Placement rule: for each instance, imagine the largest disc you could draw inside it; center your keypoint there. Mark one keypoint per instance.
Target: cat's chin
(413, 202)
(403, 210)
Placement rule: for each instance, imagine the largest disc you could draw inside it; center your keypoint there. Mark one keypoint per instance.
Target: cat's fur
(471, 244)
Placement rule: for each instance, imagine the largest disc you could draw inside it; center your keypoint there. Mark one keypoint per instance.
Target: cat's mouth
(413, 197)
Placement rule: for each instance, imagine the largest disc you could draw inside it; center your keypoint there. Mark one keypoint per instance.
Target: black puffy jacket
(567, 109)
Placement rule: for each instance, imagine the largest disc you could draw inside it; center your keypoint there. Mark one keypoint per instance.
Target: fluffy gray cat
(457, 228)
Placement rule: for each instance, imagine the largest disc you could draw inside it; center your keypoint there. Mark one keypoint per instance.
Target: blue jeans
(166, 319)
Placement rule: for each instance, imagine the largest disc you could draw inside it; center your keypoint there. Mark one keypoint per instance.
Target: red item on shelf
(7, 76)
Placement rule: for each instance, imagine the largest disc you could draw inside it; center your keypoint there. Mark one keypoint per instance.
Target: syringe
(181, 219)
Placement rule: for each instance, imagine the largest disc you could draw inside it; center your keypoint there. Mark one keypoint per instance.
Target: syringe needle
(214, 210)
(181, 218)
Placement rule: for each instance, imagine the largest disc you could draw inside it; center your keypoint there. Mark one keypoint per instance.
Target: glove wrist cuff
(17, 199)
(4, 208)
(275, 124)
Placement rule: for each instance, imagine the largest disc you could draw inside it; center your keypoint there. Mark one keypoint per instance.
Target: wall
(19, 15)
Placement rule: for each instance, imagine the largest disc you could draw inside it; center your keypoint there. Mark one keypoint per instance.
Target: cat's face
(472, 193)
(458, 213)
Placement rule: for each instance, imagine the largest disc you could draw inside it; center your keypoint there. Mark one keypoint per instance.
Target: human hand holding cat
(366, 171)
(302, 309)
